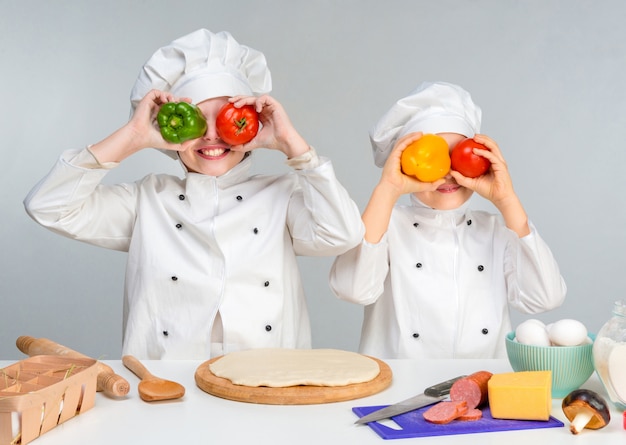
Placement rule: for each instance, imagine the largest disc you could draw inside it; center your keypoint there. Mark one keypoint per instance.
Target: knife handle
(441, 389)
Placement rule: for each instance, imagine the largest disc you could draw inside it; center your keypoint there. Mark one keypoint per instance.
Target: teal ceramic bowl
(571, 366)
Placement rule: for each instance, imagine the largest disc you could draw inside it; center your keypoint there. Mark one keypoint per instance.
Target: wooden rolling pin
(108, 382)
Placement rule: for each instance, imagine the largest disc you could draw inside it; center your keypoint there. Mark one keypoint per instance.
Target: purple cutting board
(413, 424)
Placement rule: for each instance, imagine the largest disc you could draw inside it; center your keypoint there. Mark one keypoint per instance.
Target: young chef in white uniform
(437, 278)
(212, 256)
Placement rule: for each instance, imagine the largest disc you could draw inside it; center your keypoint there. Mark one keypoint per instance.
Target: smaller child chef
(437, 278)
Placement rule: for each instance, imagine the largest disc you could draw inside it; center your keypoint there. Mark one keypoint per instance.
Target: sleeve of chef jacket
(532, 274)
(71, 201)
(358, 276)
(322, 217)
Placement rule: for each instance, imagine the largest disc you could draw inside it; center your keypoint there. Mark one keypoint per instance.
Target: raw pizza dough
(280, 368)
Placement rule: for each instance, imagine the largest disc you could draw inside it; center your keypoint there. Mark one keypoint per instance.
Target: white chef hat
(203, 65)
(433, 107)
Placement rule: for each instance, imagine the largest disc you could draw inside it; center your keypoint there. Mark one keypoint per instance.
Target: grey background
(548, 74)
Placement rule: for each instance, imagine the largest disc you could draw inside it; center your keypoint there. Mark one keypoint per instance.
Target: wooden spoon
(152, 388)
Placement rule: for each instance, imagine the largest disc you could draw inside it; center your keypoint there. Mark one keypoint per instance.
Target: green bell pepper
(180, 122)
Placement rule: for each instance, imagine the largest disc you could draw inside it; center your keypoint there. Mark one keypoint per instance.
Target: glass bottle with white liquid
(609, 355)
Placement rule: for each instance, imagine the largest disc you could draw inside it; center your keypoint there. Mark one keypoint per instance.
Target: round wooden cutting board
(291, 395)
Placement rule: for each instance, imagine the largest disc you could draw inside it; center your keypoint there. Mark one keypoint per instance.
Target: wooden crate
(41, 392)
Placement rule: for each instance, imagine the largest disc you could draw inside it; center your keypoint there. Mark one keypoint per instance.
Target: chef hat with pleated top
(203, 65)
(433, 107)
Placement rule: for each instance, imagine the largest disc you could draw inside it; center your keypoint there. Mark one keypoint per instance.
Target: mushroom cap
(586, 399)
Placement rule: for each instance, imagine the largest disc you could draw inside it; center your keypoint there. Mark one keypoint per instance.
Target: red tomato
(237, 125)
(466, 162)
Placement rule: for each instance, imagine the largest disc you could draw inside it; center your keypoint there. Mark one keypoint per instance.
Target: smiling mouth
(213, 152)
(448, 188)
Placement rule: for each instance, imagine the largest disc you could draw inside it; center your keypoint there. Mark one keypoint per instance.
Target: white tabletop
(204, 419)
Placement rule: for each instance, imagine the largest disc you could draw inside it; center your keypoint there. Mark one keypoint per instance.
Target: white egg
(536, 321)
(567, 332)
(532, 332)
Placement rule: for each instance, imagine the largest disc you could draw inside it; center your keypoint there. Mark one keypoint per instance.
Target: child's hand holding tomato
(276, 132)
(465, 161)
(495, 185)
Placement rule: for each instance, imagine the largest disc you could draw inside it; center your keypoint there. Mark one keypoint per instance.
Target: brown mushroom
(585, 409)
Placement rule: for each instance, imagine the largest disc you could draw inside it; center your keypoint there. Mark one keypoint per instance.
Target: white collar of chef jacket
(459, 214)
(235, 175)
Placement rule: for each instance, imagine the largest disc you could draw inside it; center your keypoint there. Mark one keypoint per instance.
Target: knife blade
(432, 394)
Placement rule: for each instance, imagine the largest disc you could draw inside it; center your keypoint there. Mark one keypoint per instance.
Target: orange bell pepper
(427, 159)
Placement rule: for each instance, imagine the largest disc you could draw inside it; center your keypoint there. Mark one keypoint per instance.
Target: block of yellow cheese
(523, 395)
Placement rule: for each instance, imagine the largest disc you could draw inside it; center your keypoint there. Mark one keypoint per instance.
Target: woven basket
(41, 392)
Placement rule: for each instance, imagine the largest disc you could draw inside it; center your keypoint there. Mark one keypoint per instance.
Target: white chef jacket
(203, 244)
(439, 283)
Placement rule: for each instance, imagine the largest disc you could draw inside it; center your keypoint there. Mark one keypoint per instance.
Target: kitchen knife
(431, 395)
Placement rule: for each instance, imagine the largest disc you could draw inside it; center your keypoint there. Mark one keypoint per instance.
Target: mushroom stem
(582, 418)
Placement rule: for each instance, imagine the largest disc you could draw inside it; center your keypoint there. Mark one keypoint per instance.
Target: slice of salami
(445, 412)
(472, 414)
(472, 389)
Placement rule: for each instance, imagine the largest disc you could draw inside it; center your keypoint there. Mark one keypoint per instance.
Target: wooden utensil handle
(136, 366)
(112, 384)
(108, 382)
